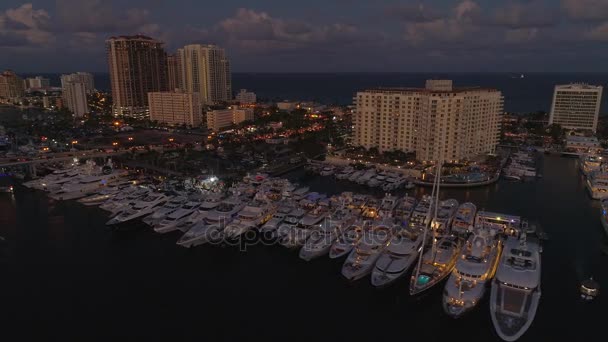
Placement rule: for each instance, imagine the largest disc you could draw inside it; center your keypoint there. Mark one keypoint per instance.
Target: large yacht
(124, 199)
(210, 202)
(597, 185)
(347, 240)
(277, 218)
(398, 257)
(421, 215)
(516, 289)
(201, 232)
(445, 214)
(159, 214)
(465, 218)
(251, 217)
(171, 221)
(225, 212)
(467, 284)
(388, 205)
(363, 257)
(321, 240)
(86, 185)
(141, 208)
(590, 163)
(437, 263)
(405, 208)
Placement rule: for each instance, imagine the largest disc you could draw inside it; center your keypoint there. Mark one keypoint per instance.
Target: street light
(115, 143)
(171, 139)
(130, 138)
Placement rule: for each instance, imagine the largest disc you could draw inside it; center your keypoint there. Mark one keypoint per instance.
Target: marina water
(64, 275)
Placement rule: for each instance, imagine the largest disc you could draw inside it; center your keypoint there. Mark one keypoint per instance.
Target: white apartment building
(75, 97)
(576, 106)
(436, 122)
(37, 82)
(245, 97)
(204, 69)
(223, 118)
(175, 108)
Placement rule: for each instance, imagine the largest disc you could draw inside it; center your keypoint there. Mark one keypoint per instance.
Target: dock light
(171, 139)
(116, 123)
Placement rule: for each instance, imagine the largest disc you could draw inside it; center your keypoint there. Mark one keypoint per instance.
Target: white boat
(100, 197)
(366, 177)
(169, 207)
(321, 240)
(314, 218)
(465, 218)
(201, 232)
(270, 227)
(370, 209)
(398, 257)
(445, 214)
(210, 202)
(437, 263)
(477, 265)
(590, 163)
(363, 257)
(225, 212)
(405, 208)
(327, 171)
(251, 217)
(375, 181)
(143, 207)
(126, 198)
(388, 205)
(355, 175)
(516, 288)
(422, 213)
(170, 222)
(346, 241)
(86, 185)
(345, 173)
(597, 185)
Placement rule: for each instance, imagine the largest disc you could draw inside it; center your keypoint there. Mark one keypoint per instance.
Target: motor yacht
(366, 177)
(442, 223)
(171, 221)
(250, 217)
(345, 173)
(437, 263)
(201, 232)
(270, 227)
(388, 205)
(363, 257)
(465, 218)
(209, 203)
(477, 265)
(100, 197)
(590, 163)
(422, 213)
(142, 207)
(370, 209)
(355, 175)
(320, 241)
(169, 207)
(405, 208)
(327, 171)
(516, 290)
(225, 212)
(597, 185)
(398, 257)
(347, 240)
(125, 199)
(314, 217)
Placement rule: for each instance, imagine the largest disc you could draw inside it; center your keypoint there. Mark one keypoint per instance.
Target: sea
(523, 93)
(64, 276)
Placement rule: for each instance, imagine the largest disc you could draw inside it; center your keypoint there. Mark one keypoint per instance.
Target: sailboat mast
(426, 226)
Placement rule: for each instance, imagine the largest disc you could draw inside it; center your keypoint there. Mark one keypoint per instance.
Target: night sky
(318, 35)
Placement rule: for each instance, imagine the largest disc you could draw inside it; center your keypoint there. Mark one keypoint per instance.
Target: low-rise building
(222, 118)
(245, 97)
(175, 108)
(11, 86)
(37, 82)
(576, 144)
(287, 105)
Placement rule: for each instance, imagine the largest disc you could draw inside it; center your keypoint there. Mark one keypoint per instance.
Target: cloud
(517, 14)
(585, 10)
(598, 33)
(521, 35)
(414, 12)
(25, 26)
(454, 28)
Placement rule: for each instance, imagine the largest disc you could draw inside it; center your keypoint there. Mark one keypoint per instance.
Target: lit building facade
(223, 118)
(205, 69)
(245, 97)
(11, 86)
(137, 65)
(437, 122)
(175, 108)
(37, 82)
(576, 106)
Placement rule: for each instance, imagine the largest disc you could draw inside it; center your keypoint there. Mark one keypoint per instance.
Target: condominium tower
(11, 85)
(576, 106)
(74, 93)
(138, 65)
(438, 122)
(204, 69)
(82, 77)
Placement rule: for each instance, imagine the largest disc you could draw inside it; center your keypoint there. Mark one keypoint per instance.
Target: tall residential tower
(138, 65)
(435, 122)
(576, 106)
(204, 69)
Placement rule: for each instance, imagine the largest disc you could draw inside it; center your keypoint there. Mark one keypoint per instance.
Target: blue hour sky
(318, 35)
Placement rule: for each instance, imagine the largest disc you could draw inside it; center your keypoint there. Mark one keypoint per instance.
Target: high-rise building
(223, 118)
(204, 69)
(138, 65)
(37, 82)
(437, 122)
(576, 106)
(245, 97)
(172, 73)
(11, 86)
(175, 108)
(82, 77)
(74, 93)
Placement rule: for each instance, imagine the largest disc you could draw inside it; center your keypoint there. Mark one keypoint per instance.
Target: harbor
(266, 271)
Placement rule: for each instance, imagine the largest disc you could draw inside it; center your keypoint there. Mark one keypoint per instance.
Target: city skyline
(343, 36)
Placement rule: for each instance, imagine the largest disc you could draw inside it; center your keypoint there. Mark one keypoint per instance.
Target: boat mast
(434, 237)
(428, 223)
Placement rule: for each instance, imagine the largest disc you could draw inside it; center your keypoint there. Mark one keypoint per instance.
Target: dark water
(532, 93)
(66, 277)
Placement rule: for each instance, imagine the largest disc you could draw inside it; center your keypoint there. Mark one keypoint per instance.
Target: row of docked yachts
(521, 165)
(385, 238)
(385, 180)
(593, 167)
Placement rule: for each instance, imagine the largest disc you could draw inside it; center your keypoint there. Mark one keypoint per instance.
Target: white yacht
(437, 263)
(516, 289)
(277, 218)
(124, 199)
(322, 240)
(210, 202)
(169, 207)
(597, 185)
(405, 208)
(251, 217)
(327, 171)
(225, 212)
(590, 163)
(467, 284)
(314, 218)
(355, 175)
(101, 196)
(388, 205)
(366, 177)
(420, 215)
(345, 173)
(363, 257)
(171, 221)
(86, 185)
(445, 214)
(398, 257)
(347, 240)
(464, 219)
(142, 207)
(201, 232)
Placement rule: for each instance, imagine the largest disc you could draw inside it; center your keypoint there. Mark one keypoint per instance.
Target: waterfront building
(287, 105)
(222, 118)
(37, 82)
(245, 97)
(577, 145)
(175, 108)
(82, 77)
(74, 94)
(205, 69)
(576, 106)
(437, 121)
(11, 86)
(173, 72)
(137, 65)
